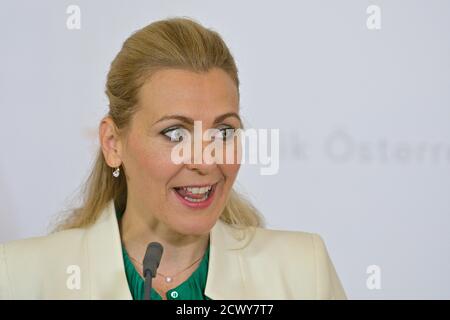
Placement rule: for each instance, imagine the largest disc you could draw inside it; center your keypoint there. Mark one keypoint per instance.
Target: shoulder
(36, 246)
(297, 255)
(30, 259)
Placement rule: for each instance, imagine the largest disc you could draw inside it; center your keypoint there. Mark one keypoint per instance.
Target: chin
(194, 228)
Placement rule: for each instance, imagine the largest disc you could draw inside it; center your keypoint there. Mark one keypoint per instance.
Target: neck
(137, 231)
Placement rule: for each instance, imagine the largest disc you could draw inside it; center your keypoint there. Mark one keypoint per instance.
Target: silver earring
(116, 172)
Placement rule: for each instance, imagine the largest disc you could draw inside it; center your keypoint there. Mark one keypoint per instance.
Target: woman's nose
(201, 161)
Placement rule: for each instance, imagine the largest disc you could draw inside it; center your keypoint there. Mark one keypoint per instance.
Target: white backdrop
(363, 117)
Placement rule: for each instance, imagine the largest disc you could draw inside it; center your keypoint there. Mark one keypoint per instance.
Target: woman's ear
(110, 142)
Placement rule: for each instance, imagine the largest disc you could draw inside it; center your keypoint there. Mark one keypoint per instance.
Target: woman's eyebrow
(190, 121)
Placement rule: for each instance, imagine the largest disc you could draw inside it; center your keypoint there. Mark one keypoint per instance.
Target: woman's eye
(225, 133)
(175, 134)
(178, 134)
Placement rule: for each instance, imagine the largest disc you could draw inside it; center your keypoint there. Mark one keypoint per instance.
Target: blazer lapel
(105, 261)
(225, 279)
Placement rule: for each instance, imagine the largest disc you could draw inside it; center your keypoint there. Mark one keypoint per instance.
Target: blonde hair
(171, 43)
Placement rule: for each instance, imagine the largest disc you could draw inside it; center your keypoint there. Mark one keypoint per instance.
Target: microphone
(150, 265)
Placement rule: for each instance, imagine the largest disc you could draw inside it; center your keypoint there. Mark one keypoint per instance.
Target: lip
(198, 205)
(198, 185)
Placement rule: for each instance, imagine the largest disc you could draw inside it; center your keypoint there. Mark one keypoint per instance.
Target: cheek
(230, 172)
(151, 164)
(157, 168)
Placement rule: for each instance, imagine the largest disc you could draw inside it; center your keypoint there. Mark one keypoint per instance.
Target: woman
(166, 76)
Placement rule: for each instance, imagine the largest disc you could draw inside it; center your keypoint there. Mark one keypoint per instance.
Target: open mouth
(195, 194)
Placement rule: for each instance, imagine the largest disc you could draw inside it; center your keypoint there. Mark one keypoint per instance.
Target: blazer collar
(108, 280)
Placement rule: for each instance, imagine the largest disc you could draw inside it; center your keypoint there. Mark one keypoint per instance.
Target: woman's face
(156, 185)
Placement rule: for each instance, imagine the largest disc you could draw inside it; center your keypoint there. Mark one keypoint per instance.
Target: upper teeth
(196, 190)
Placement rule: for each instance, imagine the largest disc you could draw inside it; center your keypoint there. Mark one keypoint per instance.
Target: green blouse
(191, 289)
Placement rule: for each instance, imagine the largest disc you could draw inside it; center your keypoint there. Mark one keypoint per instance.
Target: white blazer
(253, 264)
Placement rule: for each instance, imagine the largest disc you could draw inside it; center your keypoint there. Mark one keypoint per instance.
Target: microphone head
(152, 258)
